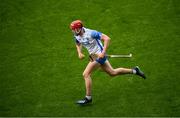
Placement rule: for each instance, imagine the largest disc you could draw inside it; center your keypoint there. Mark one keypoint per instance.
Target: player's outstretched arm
(79, 50)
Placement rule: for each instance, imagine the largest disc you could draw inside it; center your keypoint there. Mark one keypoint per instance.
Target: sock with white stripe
(88, 97)
(134, 71)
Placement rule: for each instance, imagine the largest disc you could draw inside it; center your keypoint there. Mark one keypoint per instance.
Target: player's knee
(112, 73)
(85, 75)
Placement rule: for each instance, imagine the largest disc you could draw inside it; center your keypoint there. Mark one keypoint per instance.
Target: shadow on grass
(85, 105)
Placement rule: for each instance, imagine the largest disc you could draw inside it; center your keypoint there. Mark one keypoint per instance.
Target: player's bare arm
(106, 40)
(79, 51)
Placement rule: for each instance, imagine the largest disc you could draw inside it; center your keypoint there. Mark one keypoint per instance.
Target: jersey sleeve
(96, 34)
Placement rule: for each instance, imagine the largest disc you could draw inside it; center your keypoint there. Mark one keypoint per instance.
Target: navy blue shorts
(101, 60)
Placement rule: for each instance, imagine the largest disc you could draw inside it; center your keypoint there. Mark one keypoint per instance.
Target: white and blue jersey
(91, 40)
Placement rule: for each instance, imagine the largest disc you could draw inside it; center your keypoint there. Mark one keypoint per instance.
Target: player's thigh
(90, 67)
(107, 67)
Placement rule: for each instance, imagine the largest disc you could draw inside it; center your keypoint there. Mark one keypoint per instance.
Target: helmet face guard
(76, 26)
(77, 31)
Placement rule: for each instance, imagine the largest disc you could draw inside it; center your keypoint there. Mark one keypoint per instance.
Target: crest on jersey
(85, 41)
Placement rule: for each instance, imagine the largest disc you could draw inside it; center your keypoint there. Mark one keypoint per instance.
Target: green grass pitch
(41, 75)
